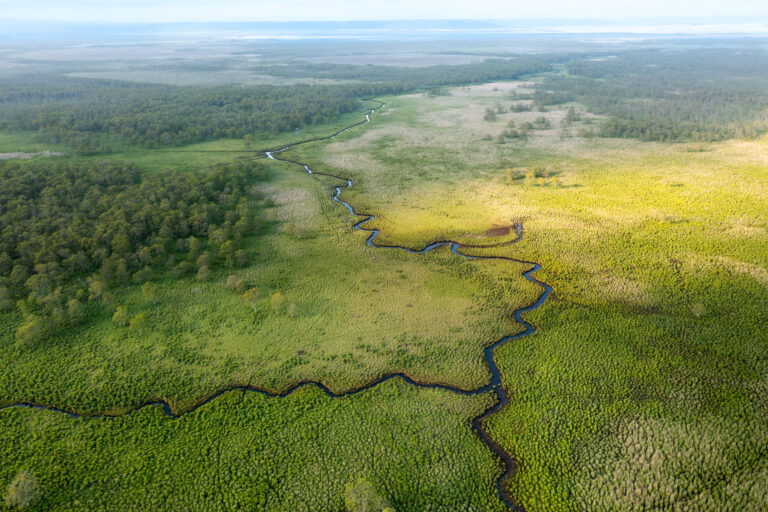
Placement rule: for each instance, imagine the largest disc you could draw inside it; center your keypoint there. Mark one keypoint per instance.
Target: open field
(400, 59)
(652, 345)
(204, 78)
(14, 142)
(201, 336)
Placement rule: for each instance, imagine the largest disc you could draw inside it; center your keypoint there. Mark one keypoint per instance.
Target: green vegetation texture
(644, 386)
(307, 302)
(247, 451)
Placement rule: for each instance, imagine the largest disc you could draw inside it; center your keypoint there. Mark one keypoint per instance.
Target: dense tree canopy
(393, 79)
(670, 95)
(71, 231)
(88, 114)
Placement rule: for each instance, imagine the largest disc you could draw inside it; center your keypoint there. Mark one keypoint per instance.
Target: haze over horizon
(144, 11)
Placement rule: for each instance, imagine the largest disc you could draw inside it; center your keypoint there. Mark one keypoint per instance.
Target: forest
(91, 116)
(72, 231)
(674, 95)
(701, 95)
(394, 79)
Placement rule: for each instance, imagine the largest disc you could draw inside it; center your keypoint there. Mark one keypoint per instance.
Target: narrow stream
(493, 386)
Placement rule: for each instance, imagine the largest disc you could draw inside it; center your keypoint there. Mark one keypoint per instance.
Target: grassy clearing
(186, 158)
(24, 142)
(645, 385)
(202, 78)
(246, 451)
(415, 59)
(208, 154)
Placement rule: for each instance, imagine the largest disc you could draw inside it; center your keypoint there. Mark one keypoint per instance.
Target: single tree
(361, 496)
(75, 309)
(5, 299)
(203, 274)
(204, 260)
(30, 332)
(182, 269)
(121, 316)
(276, 301)
(227, 252)
(195, 247)
(121, 270)
(39, 284)
(232, 282)
(149, 292)
(241, 258)
(144, 255)
(121, 244)
(107, 299)
(96, 289)
(236, 283)
(571, 116)
(18, 275)
(106, 271)
(56, 319)
(143, 275)
(252, 297)
(22, 491)
(137, 323)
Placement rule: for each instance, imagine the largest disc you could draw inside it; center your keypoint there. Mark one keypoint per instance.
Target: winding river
(493, 386)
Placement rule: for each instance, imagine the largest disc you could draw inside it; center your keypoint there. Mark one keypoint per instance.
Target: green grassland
(645, 385)
(349, 314)
(247, 451)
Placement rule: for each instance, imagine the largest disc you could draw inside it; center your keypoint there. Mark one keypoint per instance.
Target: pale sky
(324, 10)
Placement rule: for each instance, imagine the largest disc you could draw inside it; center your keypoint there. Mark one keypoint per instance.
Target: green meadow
(644, 386)
(247, 451)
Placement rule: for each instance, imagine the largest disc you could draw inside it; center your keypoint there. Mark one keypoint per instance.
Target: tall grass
(645, 383)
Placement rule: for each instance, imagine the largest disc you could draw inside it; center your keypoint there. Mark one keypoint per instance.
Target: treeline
(92, 115)
(70, 232)
(80, 112)
(396, 79)
(673, 95)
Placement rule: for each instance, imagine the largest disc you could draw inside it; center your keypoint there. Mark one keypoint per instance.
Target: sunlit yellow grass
(657, 255)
